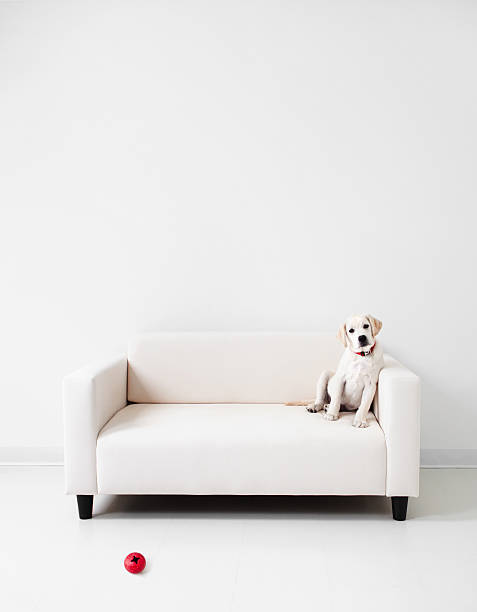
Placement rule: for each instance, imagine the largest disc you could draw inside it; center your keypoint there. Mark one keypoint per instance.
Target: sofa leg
(399, 508)
(85, 506)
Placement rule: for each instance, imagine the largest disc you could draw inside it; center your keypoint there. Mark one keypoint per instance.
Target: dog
(353, 386)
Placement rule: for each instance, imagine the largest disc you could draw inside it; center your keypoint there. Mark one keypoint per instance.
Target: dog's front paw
(359, 423)
(330, 417)
(314, 407)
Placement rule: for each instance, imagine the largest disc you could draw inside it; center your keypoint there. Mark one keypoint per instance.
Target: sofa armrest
(91, 396)
(397, 409)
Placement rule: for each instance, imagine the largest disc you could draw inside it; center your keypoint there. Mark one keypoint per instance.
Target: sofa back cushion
(228, 367)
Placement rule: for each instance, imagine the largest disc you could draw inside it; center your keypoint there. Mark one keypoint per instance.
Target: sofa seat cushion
(256, 449)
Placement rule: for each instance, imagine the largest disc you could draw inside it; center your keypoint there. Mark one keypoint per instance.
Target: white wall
(236, 166)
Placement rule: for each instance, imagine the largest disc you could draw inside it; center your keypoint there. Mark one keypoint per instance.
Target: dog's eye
(351, 331)
(365, 326)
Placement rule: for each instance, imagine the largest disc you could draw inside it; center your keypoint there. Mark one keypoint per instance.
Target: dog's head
(359, 332)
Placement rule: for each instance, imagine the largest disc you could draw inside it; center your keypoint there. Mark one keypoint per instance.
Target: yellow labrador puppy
(354, 384)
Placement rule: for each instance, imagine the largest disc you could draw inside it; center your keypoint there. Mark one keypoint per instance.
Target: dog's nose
(362, 338)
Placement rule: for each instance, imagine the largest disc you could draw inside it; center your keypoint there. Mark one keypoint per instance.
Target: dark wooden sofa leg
(399, 508)
(85, 506)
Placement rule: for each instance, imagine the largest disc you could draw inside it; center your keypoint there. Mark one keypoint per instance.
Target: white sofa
(206, 414)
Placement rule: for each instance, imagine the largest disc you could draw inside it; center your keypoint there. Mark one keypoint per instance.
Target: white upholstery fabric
(238, 449)
(90, 398)
(216, 368)
(397, 408)
(221, 426)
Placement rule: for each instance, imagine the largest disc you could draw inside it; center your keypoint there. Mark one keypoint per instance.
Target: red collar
(363, 353)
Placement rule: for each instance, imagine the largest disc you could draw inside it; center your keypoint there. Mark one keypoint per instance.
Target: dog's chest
(358, 370)
(357, 375)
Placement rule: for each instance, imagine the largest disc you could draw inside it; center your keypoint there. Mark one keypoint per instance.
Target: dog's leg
(366, 401)
(335, 391)
(321, 392)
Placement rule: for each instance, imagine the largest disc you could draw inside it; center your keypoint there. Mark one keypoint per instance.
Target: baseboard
(449, 457)
(31, 455)
(53, 455)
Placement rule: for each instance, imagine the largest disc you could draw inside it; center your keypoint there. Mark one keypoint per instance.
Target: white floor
(237, 554)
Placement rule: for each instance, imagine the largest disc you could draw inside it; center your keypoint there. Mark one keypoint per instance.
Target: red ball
(135, 563)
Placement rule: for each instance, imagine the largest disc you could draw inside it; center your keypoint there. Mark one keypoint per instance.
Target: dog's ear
(341, 335)
(375, 324)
